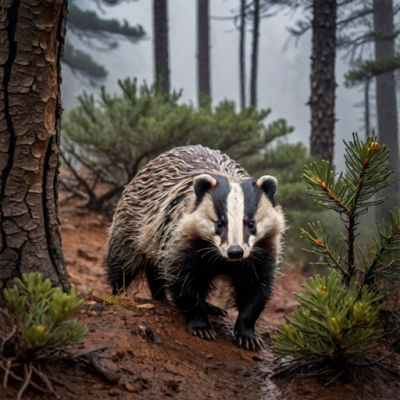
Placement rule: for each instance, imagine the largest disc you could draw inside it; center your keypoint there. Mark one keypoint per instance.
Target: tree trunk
(323, 85)
(367, 117)
(254, 56)
(161, 54)
(386, 102)
(242, 54)
(32, 39)
(203, 52)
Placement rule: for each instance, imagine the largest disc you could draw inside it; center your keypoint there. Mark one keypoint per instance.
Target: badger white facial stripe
(235, 211)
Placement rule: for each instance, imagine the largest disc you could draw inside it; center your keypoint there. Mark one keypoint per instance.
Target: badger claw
(203, 333)
(250, 343)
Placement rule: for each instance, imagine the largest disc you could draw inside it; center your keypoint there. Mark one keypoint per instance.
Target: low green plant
(333, 320)
(339, 317)
(40, 311)
(35, 327)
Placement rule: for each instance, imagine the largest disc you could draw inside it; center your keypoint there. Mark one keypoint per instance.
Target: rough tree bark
(242, 54)
(254, 56)
(31, 44)
(161, 54)
(386, 101)
(203, 51)
(323, 85)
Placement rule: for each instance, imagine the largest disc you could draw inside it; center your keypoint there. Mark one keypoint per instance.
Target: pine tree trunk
(254, 56)
(386, 101)
(161, 53)
(242, 54)
(367, 117)
(203, 51)
(32, 38)
(323, 85)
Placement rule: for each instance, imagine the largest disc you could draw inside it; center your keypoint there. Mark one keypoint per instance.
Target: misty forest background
(261, 54)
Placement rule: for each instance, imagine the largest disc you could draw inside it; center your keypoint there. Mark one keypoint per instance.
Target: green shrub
(40, 311)
(333, 320)
(35, 329)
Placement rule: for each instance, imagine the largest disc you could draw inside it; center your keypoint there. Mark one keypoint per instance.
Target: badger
(188, 216)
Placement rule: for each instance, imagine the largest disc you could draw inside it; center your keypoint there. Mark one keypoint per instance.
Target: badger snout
(235, 253)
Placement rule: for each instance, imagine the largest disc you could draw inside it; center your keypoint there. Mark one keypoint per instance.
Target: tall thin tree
(367, 113)
(254, 56)
(161, 43)
(33, 39)
(386, 101)
(242, 54)
(203, 52)
(323, 85)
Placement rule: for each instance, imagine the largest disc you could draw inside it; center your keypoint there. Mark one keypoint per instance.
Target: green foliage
(332, 321)
(115, 136)
(350, 195)
(40, 312)
(98, 34)
(82, 64)
(85, 21)
(365, 70)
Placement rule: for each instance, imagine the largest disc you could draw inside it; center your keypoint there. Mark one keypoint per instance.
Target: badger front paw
(245, 338)
(201, 329)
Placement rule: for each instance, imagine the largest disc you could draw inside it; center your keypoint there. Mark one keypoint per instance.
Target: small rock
(147, 306)
(256, 357)
(98, 307)
(130, 388)
(171, 370)
(350, 387)
(98, 386)
(209, 356)
(113, 392)
(83, 253)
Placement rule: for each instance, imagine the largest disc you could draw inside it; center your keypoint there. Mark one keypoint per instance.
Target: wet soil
(150, 355)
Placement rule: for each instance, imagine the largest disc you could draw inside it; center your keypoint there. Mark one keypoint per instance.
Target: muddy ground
(150, 355)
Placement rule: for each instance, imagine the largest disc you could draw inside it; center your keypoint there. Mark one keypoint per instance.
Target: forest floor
(150, 355)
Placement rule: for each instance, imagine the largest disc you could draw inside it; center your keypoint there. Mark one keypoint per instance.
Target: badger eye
(251, 224)
(219, 224)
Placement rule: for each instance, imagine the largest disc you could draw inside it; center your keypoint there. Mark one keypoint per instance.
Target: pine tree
(345, 314)
(161, 43)
(323, 84)
(203, 52)
(29, 139)
(254, 55)
(242, 54)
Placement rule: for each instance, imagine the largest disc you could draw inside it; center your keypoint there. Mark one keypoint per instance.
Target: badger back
(155, 200)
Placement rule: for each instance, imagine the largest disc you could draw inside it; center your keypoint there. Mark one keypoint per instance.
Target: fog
(283, 78)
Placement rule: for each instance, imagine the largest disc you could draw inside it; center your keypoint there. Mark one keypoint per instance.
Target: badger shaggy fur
(192, 214)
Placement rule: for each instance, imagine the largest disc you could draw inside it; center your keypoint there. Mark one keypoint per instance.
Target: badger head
(236, 216)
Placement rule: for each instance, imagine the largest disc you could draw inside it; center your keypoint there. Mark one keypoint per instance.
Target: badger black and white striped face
(235, 216)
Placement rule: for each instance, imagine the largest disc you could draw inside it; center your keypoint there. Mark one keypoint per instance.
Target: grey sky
(283, 83)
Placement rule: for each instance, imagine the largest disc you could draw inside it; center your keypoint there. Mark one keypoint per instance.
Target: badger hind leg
(214, 310)
(156, 283)
(117, 276)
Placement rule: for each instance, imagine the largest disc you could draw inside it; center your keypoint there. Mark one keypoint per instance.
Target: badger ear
(268, 184)
(202, 184)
